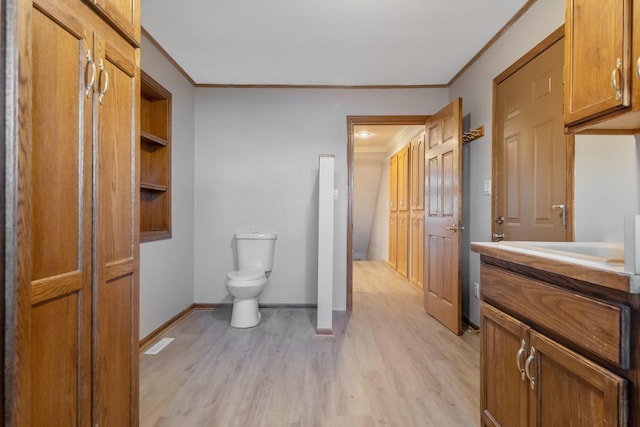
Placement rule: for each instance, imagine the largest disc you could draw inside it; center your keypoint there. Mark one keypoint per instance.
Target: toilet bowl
(255, 260)
(245, 287)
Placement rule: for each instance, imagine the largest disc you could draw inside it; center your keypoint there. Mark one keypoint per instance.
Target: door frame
(554, 37)
(353, 121)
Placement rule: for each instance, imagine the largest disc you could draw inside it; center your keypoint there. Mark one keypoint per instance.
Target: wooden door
(115, 323)
(531, 152)
(57, 169)
(393, 240)
(403, 244)
(443, 201)
(417, 173)
(569, 389)
(598, 36)
(124, 14)
(403, 179)
(393, 183)
(504, 396)
(417, 248)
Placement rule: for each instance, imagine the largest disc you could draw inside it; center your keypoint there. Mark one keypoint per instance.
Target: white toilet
(255, 260)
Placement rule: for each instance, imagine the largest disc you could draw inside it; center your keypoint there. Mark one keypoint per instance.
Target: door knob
(454, 228)
(564, 213)
(500, 220)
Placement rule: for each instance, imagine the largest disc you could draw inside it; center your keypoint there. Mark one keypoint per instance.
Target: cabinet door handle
(527, 366)
(614, 79)
(523, 349)
(105, 87)
(89, 84)
(638, 67)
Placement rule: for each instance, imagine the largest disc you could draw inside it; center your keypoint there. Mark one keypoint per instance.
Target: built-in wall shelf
(153, 187)
(155, 160)
(150, 138)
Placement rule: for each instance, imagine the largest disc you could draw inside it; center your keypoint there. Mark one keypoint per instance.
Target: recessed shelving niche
(155, 160)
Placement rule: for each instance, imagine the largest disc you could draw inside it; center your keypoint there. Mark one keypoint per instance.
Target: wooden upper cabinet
(598, 65)
(124, 15)
(635, 57)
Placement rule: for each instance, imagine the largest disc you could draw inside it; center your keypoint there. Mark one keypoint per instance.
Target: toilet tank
(255, 250)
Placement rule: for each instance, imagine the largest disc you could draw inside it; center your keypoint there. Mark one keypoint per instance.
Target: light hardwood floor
(389, 364)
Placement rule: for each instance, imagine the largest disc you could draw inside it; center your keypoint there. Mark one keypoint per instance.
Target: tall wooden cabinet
(399, 211)
(416, 247)
(76, 333)
(406, 206)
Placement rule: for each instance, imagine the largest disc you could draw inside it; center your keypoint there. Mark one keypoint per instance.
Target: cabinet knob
(638, 67)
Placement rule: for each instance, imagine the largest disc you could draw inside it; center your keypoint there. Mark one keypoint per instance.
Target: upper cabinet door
(635, 57)
(597, 58)
(123, 14)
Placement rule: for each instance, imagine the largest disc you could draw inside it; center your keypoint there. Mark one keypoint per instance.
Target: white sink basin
(610, 253)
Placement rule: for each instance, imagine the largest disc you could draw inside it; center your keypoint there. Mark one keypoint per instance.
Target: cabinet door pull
(638, 67)
(89, 84)
(105, 88)
(614, 79)
(527, 366)
(523, 349)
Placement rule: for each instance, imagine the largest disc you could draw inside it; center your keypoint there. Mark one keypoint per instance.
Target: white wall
(366, 179)
(606, 167)
(256, 168)
(379, 239)
(606, 186)
(166, 266)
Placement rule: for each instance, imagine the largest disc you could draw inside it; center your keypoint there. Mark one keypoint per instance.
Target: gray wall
(256, 168)
(166, 266)
(366, 182)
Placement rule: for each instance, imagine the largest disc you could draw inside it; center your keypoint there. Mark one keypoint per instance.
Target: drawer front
(596, 326)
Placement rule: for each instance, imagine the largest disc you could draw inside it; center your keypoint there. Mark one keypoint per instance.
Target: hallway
(389, 364)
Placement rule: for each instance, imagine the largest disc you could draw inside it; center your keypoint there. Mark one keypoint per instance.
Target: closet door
(115, 325)
(57, 171)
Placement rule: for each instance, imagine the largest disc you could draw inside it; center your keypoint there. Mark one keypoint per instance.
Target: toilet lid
(246, 275)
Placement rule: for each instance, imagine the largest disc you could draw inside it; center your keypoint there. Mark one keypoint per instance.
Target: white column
(324, 324)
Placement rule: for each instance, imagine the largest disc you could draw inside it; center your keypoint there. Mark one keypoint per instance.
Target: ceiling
(325, 42)
(383, 138)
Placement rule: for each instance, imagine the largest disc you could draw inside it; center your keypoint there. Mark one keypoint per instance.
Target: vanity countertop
(599, 271)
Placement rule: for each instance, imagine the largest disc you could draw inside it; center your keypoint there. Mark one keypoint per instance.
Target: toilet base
(245, 313)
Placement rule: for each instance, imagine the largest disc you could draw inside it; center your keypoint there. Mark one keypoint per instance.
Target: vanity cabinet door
(503, 385)
(568, 389)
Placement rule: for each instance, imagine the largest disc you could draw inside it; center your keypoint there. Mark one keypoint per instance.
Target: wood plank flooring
(389, 364)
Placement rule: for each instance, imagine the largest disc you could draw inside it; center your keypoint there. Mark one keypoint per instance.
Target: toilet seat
(246, 275)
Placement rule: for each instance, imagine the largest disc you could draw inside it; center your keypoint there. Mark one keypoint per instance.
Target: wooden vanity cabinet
(530, 380)
(550, 355)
